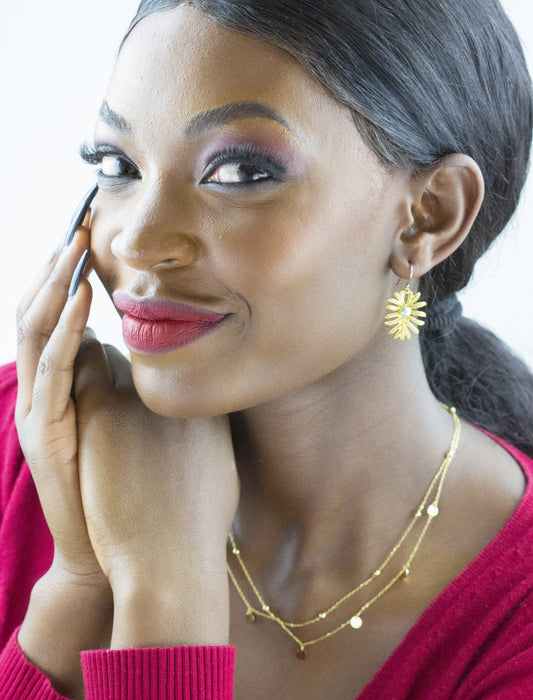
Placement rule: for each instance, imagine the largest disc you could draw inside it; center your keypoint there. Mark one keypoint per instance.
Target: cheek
(313, 277)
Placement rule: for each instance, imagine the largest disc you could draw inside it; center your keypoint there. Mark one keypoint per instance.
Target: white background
(55, 59)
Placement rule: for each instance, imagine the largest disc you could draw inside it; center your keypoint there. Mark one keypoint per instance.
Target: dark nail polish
(78, 273)
(79, 214)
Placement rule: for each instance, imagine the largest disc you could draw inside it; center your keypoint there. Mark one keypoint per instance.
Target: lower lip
(157, 337)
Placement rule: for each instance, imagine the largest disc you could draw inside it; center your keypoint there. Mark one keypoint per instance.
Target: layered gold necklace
(428, 507)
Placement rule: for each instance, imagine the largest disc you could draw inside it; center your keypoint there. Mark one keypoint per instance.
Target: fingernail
(80, 214)
(78, 273)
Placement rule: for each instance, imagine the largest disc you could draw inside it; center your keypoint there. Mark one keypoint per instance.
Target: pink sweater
(474, 642)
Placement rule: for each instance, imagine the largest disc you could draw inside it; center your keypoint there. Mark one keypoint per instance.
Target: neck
(331, 472)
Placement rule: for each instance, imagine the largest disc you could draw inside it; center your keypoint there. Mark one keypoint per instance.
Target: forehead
(180, 62)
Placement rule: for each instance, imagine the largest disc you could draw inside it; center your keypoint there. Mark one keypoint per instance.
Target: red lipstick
(156, 326)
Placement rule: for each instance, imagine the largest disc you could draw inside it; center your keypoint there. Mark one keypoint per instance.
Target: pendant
(301, 654)
(356, 622)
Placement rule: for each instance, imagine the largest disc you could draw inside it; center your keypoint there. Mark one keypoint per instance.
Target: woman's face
(234, 184)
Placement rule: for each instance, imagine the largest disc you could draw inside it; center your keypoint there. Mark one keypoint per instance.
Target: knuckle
(33, 333)
(90, 343)
(47, 363)
(27, 333)
(57, 282)
(25, 330)
(22, 328)
(20, 311)
(54, 255)
(89, 347)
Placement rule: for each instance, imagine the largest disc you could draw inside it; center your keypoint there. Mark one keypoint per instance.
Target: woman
(276, 180)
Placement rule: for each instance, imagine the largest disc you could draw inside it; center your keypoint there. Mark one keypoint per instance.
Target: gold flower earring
(406, 316)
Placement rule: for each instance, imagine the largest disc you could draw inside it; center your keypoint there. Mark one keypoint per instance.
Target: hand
(71, 605)
(159, 496)
(50, 329)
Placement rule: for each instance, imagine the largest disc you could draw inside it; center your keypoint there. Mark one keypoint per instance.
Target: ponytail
(469, 367)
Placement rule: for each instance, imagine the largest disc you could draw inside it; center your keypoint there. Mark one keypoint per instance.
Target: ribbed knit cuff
(174, 673)
(19, 680)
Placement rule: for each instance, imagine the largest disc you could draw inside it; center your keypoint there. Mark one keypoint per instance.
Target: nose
(153, 239)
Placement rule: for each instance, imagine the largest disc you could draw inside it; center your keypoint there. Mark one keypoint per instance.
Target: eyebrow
(233, 111)
(204, 121)
(114, 119)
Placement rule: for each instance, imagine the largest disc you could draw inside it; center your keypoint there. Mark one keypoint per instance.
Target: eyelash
(95, 156)
(244, 154)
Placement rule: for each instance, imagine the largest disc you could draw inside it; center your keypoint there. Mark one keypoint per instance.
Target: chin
(175, 396)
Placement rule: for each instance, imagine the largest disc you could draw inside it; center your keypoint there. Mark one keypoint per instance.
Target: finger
(48, 268)
(78, 274)
(54, 375)
(37, 284)
(41, 318)
(80, 243)
(80, 214)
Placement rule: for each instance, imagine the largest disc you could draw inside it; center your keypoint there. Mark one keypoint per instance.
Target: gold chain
(356, 621)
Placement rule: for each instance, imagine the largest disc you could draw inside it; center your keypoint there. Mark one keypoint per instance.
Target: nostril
(142, 247)
(169, 262)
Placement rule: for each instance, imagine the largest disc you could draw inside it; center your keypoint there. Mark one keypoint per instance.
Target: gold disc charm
(356, 622)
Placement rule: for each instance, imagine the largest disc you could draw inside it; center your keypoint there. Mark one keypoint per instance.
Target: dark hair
(425, 79)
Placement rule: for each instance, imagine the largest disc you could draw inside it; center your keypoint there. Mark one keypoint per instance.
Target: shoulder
(481, 625)
(498, 496)
(495, 593)
(495, 484)
(525, 463)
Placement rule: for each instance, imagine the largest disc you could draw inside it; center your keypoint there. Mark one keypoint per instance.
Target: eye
(113, 164)
(231, 173)
(117, 166)
(243, 165)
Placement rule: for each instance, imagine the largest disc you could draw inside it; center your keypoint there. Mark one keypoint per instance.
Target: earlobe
(445, 203)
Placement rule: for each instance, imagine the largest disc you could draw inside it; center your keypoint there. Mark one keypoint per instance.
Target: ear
(444, 203)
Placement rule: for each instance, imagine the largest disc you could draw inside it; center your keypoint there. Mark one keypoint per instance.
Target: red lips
(154, 326)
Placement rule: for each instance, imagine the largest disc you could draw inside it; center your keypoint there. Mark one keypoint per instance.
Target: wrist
(77, 610)
(67, 614)
(64, 576)
(61, 593)
(187, 611)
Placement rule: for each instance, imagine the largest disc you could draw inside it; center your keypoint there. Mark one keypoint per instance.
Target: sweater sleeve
(19, 680)
(175, 673)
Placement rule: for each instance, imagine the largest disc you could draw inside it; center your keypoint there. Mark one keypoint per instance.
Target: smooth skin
(300, 397)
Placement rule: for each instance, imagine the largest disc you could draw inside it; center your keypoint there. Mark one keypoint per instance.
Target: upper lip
(158, 309)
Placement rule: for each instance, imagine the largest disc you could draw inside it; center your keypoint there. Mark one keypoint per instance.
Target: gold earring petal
(406, 316)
